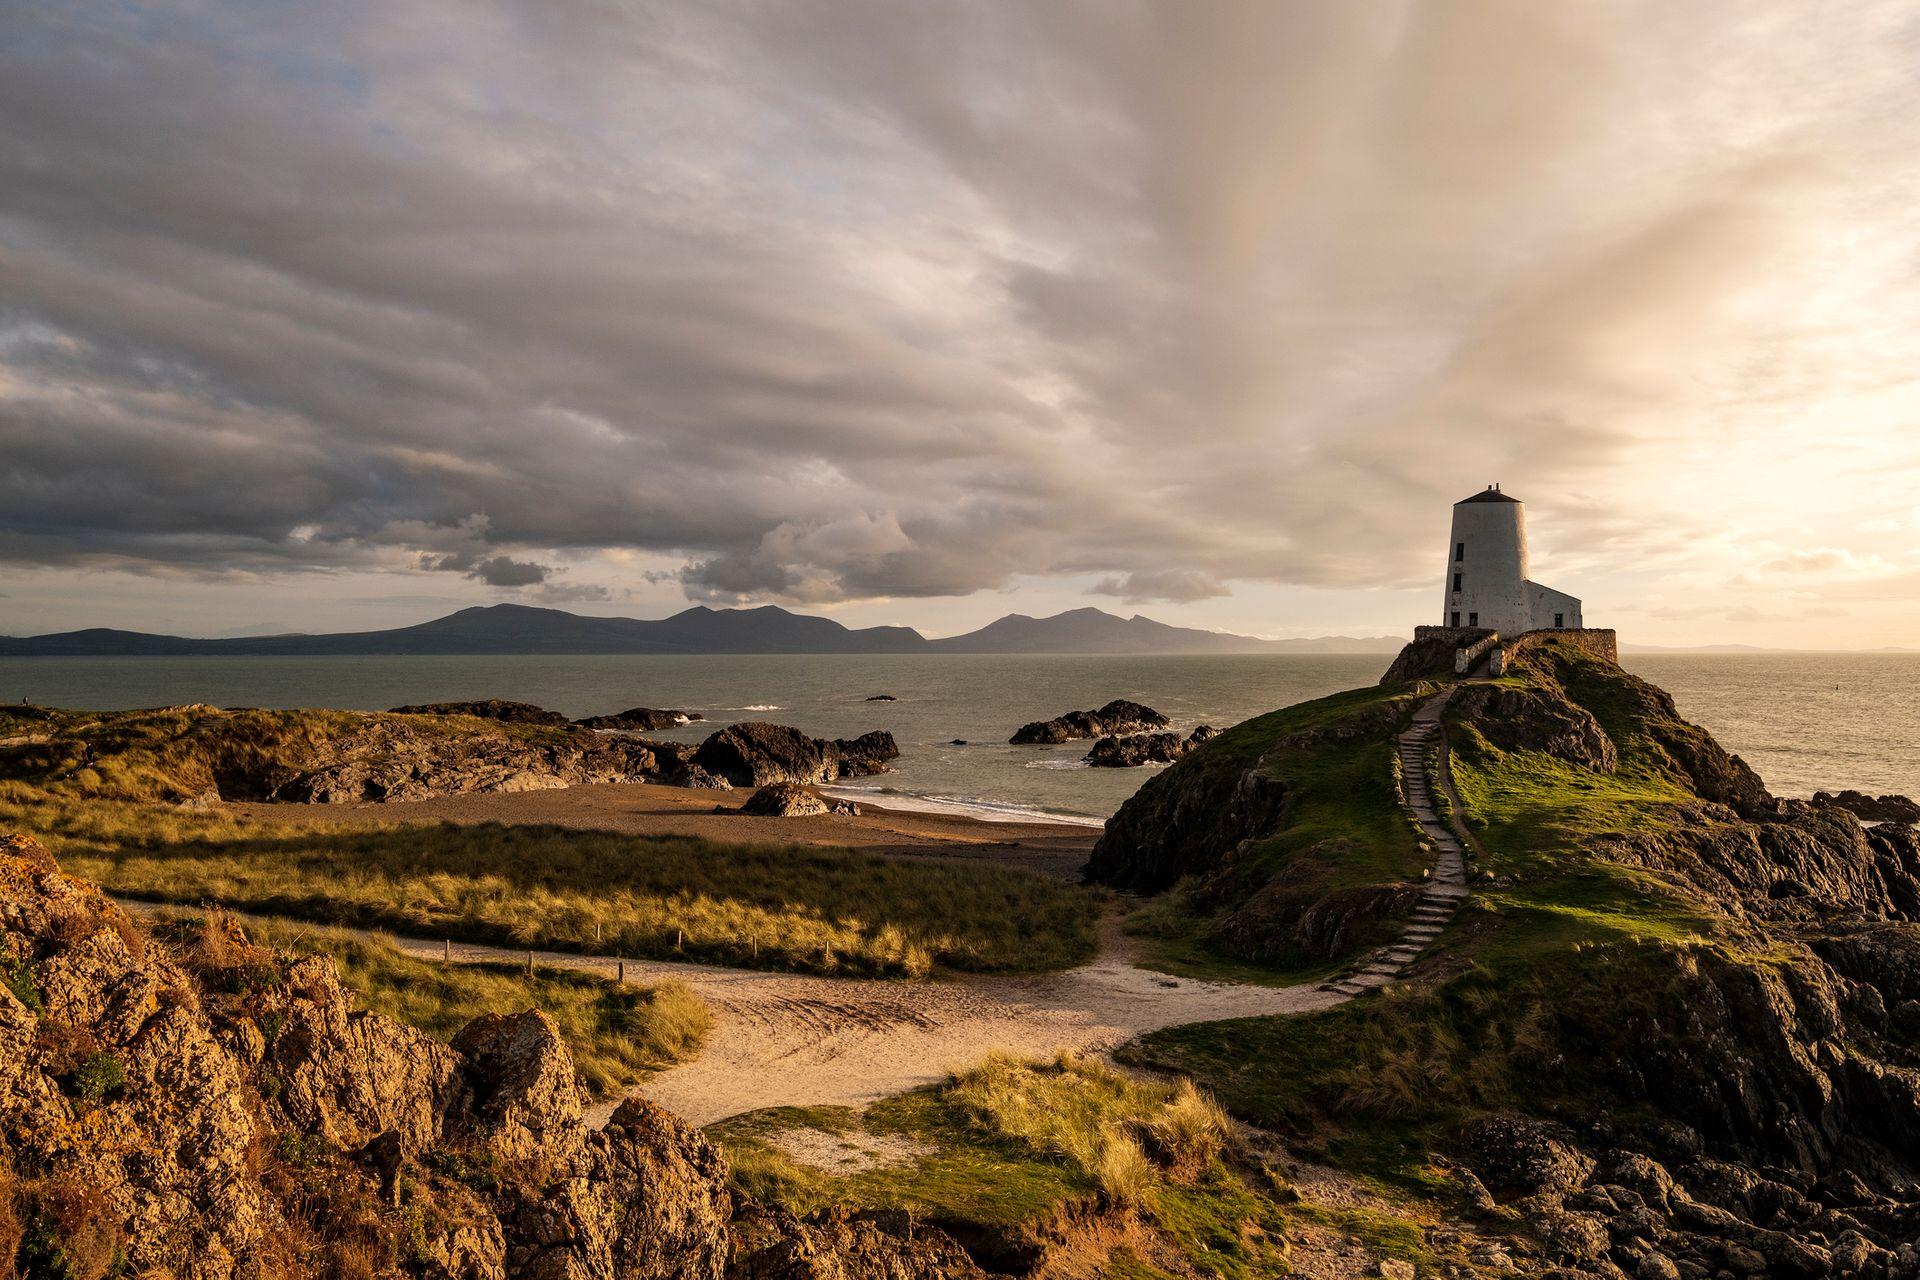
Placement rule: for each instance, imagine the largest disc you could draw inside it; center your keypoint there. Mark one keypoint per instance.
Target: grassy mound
(1283, 840)
(1022, 1158)
(1643, 930)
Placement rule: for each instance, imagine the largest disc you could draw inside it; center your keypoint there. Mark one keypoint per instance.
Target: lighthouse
(1486, 583)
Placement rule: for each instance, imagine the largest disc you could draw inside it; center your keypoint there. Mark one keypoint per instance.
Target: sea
(1806, 721)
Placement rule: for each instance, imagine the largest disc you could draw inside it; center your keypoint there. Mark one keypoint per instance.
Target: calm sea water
(1805, 721)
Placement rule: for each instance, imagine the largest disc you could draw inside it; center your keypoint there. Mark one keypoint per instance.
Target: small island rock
(641, 718)
(487, 709)
(1137, 749)
(1117, 718)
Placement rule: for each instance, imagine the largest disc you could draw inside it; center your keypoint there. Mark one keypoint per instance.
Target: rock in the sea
(637, 719)
(1146, 748)
(754, 753)
(1888, 808)
(881, 697)
(1117, 718)
(487, 709)
(207, 1109)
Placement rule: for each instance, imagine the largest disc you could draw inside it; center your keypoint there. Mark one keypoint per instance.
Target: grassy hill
(1659, 960)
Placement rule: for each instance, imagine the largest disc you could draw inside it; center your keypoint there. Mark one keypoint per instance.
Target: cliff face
(210, 1109)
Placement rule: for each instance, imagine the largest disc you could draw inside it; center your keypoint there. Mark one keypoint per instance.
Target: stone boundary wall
(1600, 642)
(1457, 636)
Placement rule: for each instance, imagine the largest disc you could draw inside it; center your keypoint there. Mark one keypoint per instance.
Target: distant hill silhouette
(514, 628)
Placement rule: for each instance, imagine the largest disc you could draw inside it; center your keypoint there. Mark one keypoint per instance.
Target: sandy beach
(1055, 849)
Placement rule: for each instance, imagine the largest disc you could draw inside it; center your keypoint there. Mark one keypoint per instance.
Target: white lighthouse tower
(1486, 584)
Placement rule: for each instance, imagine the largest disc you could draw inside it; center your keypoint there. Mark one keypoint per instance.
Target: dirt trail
(791, 1040)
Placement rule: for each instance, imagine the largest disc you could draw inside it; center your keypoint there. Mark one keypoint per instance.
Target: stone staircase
(1448, 887)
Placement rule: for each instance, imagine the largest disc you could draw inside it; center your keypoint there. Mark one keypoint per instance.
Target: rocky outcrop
(837, 1245)
(1532, 718)
(487, 709)
(640, 720)
(1757, 1118)
(385, 763)
(1183, 823)
(200, 755)
(754, 753)
(1117, 718)
(789, 800)
(1888, 808)
(1139, 749)
(195, 1106)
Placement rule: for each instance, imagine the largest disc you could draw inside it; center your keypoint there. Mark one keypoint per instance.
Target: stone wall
(1599, 642)
(1457, 636)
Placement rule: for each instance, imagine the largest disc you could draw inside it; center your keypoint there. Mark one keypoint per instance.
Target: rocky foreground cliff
(211, 1109)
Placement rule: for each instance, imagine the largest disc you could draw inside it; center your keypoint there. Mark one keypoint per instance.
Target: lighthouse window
(1456, 582)
(1459, 552)
(1456, 617)
(1473, 619)
(1559, 620)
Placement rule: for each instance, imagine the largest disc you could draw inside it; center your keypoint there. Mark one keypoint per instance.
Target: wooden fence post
(446, 951)
(620, 975)
(529, 964)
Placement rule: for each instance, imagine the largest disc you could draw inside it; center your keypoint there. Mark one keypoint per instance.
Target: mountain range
(514, 629)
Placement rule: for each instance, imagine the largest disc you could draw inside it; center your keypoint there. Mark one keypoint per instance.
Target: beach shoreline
(1057, 849)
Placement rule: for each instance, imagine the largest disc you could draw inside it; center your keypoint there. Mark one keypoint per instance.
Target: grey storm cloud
(862, 299)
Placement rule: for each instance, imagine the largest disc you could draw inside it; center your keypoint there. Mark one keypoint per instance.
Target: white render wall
(1545, 602)
(1493, 572)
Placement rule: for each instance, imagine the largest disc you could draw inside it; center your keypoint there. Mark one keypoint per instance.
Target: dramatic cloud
(1180, 586)
(837, 302)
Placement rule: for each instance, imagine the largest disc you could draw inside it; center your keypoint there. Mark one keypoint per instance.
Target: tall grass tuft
(1119, 1131)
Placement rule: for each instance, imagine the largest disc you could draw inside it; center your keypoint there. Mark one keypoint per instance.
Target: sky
(341, 316)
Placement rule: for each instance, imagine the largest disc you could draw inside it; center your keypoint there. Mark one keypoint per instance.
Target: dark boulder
(1116, 718)
(1888, 808)
(487, 709)
(754, 753)
(787, 800)
(1146, 748)
(881, 697)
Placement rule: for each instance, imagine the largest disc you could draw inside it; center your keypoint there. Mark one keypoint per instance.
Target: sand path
(783, 1039)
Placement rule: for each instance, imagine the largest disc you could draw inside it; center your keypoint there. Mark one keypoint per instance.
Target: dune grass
(809, 909)
(1019, 1155)
(619, 1035)
(1069, 1126)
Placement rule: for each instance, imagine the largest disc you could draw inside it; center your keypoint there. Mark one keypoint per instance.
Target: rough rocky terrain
(1116, 718)
(204, 755)
(204, 1108)
(1891, 808)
